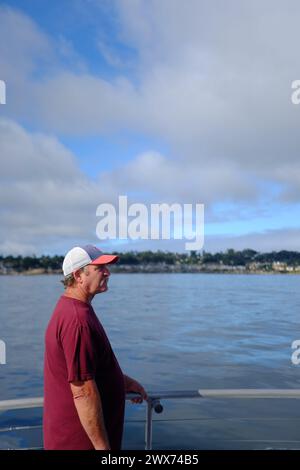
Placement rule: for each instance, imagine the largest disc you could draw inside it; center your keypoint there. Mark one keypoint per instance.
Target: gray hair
(69, 280)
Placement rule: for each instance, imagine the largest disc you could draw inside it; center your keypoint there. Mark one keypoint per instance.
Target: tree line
(230, 258)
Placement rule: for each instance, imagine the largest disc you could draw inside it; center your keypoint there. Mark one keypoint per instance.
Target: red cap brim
(106, 259)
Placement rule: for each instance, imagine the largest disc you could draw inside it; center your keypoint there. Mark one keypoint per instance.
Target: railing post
(148, 427)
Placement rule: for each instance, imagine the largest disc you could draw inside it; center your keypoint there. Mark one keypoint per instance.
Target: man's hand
(134, 386)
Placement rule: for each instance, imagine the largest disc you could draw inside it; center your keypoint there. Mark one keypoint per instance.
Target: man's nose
(106, 272)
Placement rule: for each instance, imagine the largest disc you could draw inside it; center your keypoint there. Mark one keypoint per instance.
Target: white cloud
(27, 43)
(158, 178)
(267, 241)
(39, 158)
(111, 57)
(44, 195)
(212, 81)
(48, 203)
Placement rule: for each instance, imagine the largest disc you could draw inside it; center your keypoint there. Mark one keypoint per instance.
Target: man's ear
(77, 275)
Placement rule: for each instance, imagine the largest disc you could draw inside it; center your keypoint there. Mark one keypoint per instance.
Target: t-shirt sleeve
(79, 351)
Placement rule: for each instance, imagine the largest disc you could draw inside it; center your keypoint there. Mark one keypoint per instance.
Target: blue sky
(163, 102)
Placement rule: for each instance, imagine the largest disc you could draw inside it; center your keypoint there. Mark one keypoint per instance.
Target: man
(84, 387)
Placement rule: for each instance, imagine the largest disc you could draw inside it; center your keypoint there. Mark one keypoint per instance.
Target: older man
(84, 387)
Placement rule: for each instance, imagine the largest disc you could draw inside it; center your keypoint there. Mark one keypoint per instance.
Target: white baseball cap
(81, 256)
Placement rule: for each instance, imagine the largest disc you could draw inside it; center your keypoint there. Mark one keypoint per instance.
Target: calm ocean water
(172, 332)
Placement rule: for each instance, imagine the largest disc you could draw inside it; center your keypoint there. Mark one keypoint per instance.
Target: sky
(164, 101)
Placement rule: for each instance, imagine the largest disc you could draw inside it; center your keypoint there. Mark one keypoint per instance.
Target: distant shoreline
(247, 261)
(161, 269)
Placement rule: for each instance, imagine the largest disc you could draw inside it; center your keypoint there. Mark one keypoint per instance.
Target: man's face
(95, 279)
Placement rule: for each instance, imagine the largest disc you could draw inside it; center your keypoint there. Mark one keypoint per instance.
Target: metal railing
(154, 404)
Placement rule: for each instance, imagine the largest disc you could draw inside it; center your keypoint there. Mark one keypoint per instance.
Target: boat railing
(154, 404)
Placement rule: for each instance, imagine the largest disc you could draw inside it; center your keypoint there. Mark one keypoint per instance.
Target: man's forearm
(132, 385)
(126, 381)
(88, 404)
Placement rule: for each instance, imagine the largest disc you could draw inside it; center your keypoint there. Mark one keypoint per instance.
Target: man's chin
(102, 289)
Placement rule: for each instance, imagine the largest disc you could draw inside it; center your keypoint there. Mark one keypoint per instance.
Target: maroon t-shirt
(77, 349)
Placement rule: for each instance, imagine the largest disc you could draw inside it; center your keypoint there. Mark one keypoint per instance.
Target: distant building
(279, 266)
(3, 269)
